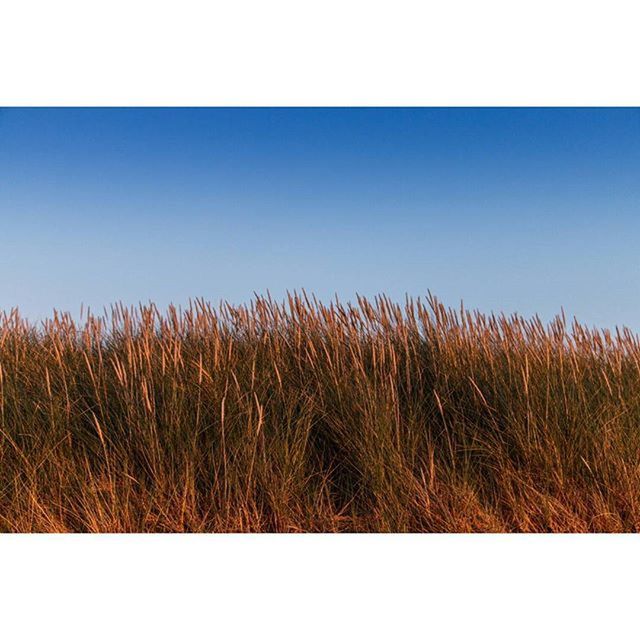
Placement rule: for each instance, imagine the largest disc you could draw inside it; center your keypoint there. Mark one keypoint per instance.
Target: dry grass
(306, 417)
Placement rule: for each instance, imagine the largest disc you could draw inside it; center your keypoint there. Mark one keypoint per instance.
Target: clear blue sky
(509, 209)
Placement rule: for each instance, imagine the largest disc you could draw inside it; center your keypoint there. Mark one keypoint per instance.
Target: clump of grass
(300, 416)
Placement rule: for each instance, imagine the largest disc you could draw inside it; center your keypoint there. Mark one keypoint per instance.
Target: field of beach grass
(299, 416)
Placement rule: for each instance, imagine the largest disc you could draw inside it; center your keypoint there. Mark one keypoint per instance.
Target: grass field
(298, 416)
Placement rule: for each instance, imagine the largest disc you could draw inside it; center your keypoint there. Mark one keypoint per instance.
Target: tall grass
(299, 416)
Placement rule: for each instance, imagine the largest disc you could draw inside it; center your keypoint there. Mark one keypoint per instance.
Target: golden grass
(300, 416)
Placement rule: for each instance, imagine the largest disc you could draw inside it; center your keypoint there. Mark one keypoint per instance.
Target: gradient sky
(508, 209)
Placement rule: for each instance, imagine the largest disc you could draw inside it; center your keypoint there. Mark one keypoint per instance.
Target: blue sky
(510, 210)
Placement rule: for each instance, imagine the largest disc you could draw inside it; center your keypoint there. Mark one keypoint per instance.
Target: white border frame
(319, 586)
(325, 53)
